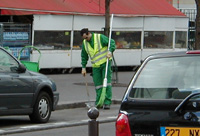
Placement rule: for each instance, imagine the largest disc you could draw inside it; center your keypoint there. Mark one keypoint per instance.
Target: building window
(52, 39)
(77, 42)
(127, 40)
(158, 39)
(180, 40)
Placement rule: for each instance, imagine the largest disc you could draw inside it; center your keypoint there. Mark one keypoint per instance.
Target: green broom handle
(105, 79)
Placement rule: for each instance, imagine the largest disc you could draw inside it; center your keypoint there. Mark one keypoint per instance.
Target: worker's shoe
(106, 107)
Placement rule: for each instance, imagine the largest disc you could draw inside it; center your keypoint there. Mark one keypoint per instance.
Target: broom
(103, 92)
(88, 104)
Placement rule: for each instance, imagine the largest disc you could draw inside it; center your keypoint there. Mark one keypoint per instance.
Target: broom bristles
(102, 97)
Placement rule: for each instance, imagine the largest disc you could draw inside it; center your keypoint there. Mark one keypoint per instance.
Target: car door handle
(15, 76)
(187, 116)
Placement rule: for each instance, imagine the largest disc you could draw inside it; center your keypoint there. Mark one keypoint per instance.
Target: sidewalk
(73, 92)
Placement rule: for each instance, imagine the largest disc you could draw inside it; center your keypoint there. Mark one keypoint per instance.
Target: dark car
(23, 92)
(163, 97)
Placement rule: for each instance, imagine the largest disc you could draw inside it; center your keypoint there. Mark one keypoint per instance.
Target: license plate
(179, 131)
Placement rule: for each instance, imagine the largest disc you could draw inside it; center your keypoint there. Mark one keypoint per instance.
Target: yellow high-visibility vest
(98, 53)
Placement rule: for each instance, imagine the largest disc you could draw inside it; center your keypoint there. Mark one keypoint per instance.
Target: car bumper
(55, 100)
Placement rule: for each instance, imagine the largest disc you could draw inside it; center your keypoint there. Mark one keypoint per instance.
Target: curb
(79, 105)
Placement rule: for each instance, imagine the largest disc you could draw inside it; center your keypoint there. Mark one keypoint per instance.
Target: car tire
(42, 109)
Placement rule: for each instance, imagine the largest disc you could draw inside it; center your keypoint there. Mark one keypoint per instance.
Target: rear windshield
(168, 78)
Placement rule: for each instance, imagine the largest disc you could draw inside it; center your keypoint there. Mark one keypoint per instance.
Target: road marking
(35, 126)
(85, 120)
(2, 130)
(60, 123)
(50, 126)
(112, 117)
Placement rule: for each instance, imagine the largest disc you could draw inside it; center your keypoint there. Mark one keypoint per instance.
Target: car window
(7, 63)
(168, 78)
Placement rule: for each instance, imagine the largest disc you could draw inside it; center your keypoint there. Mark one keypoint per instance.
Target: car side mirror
(21, 68)
(141, 61)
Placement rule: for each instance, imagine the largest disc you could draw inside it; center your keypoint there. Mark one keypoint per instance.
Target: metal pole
(178, 4)
(93, 128)
(93, 125)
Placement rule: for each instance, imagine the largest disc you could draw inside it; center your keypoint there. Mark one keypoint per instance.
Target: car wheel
(42, 109)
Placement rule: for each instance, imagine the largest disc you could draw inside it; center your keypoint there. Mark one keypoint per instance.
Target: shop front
(136, 37)
(140, 28)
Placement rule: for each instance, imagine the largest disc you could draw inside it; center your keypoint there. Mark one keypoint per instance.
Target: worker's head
(86, 34)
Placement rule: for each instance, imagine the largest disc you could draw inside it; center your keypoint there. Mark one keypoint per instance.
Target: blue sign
(15, 38)
(25, 53)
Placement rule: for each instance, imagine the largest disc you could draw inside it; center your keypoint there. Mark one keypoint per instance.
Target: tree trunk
(107, 17)
(197, 34)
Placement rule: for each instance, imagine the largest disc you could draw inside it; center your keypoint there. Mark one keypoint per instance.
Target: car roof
(176, 53)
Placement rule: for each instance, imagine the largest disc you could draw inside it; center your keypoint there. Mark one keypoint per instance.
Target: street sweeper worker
(95, 47)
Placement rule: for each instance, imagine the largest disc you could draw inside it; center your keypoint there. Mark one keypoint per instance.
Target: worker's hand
(83, 72)
(109, 54)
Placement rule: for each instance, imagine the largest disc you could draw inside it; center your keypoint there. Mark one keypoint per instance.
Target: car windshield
(168, 78)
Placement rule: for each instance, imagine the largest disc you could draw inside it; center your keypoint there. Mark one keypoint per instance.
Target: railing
(191, 14)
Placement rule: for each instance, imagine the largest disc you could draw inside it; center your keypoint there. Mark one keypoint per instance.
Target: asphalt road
(59, 119)
(72, 110)
(105, 129)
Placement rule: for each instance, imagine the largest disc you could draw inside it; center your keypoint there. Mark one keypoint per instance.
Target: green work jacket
(96, 49)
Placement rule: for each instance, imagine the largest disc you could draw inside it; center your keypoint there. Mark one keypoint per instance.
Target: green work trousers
(98, 78)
